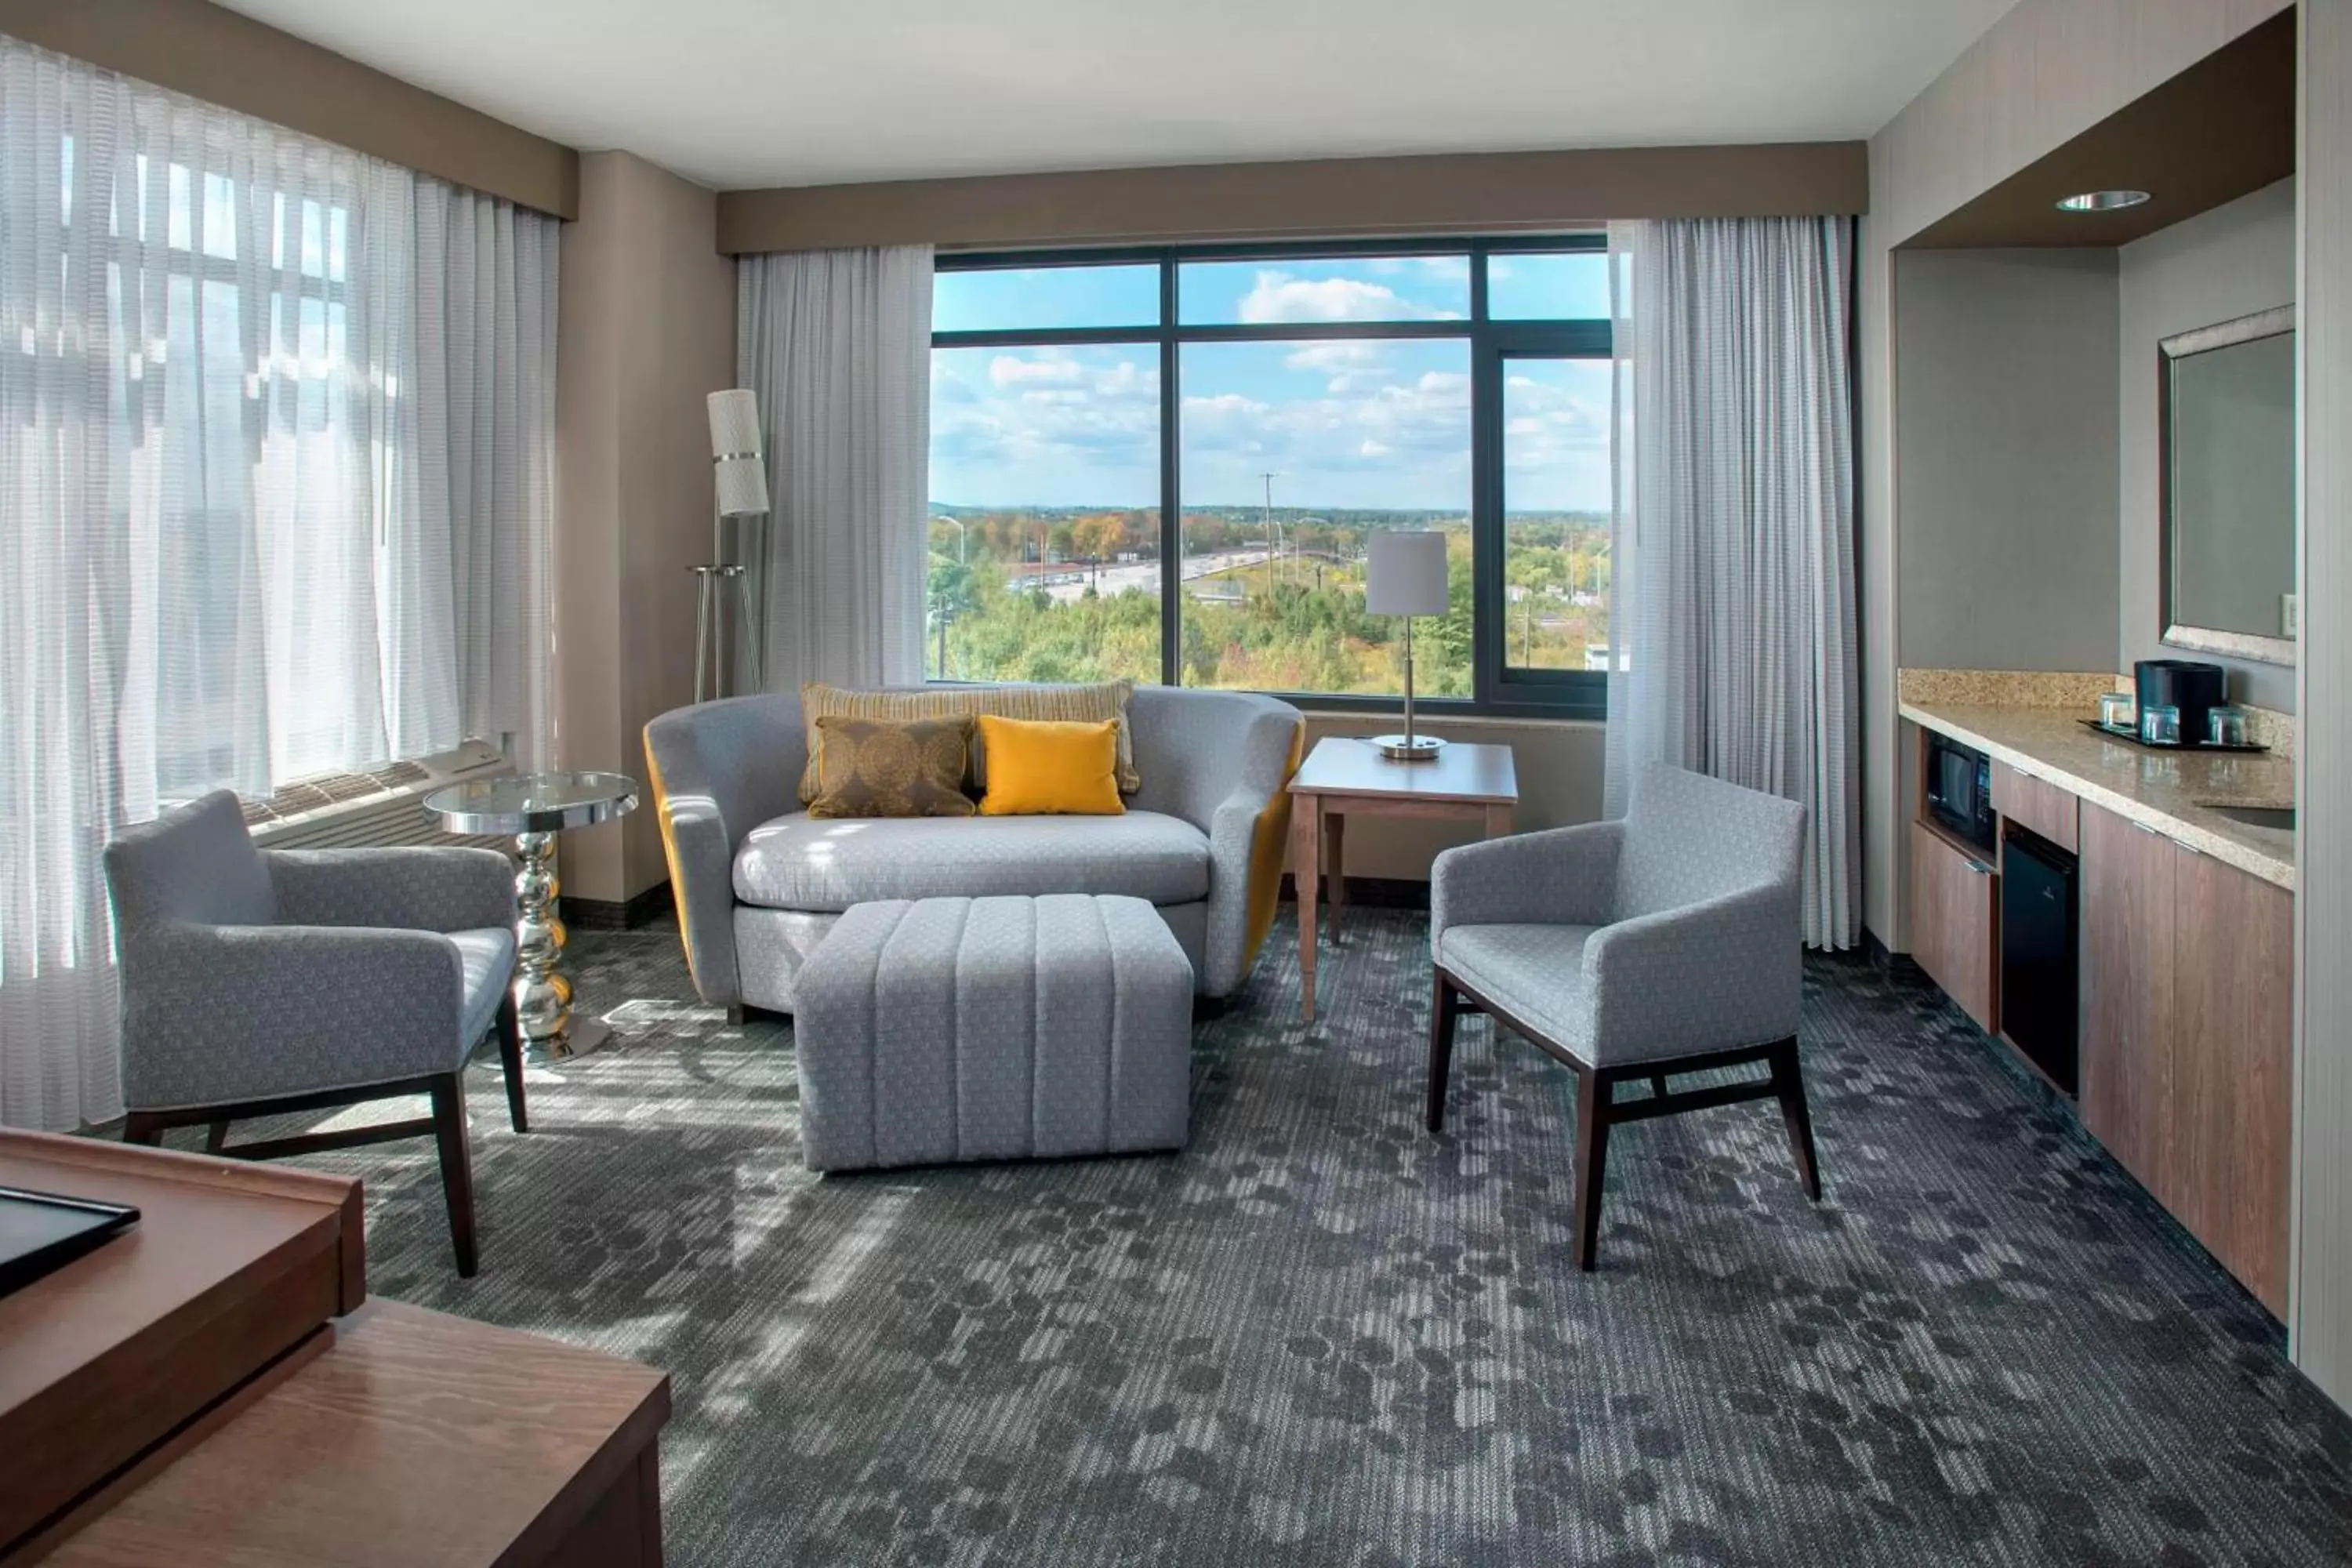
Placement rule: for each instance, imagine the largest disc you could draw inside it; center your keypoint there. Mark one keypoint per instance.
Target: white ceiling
(764, 92)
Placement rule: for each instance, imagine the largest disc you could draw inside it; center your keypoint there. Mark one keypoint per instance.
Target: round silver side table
(535, 808)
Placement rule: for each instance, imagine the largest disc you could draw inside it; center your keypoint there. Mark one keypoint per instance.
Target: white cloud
(1225, 405)
(1280, 297)
(1347, 353)
(1011, 369)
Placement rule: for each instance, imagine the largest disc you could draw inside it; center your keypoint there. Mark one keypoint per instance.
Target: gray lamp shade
(1405, 574)
(737, 471)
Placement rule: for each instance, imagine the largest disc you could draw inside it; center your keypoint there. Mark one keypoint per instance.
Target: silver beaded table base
(542, 992)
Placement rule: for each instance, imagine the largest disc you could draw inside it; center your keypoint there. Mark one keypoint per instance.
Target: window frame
(1498, 689)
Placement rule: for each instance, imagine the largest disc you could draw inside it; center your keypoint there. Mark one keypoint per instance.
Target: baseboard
(1374, 892)
(1896, 965)
(607, 915)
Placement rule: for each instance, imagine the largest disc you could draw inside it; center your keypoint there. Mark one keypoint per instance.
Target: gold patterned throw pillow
(1074, 704)
(887, 767)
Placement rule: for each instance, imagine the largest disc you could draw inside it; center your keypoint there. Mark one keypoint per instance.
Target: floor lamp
(738, 490)
(1404, 575)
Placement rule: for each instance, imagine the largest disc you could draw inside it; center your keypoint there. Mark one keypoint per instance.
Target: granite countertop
(2170, 792)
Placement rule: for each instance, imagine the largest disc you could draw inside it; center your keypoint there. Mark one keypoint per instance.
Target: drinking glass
(2159, 724)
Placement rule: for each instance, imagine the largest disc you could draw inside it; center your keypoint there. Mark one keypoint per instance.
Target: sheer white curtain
(837, 345)
(1733, 640)
(469, 536)
(275, 438)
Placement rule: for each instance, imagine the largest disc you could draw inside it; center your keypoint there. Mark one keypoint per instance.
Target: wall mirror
(2226, 401)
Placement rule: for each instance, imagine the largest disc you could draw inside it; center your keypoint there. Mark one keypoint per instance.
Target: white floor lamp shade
(1405, 574)
(735, 446)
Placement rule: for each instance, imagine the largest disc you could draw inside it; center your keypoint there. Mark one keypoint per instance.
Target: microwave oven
(1960, 791)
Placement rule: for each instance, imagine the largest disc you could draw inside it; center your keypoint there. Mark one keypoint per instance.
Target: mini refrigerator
(2041, 953)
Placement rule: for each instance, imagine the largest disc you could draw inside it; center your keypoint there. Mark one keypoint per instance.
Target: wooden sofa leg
(1444, 1013)
(735, 1016)
(457, 1166)
(143, 1127)
(215, 1137)
(1594, 1093)
(1789, 1084)
(510, 1062)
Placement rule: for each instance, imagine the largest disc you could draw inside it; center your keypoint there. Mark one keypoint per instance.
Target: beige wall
(1559, 769)
(647, 330)
(2005, 403)
(215, 54)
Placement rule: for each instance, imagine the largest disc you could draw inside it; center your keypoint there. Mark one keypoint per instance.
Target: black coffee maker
(2194, 688)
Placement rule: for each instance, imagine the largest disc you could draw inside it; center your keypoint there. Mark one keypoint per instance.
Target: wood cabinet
(2128, 900)
(2188, 1039)
(1955, 921)
(2233, 1034)
(2037, 803)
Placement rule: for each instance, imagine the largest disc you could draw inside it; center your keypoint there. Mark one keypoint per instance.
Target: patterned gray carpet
(1323, 1337)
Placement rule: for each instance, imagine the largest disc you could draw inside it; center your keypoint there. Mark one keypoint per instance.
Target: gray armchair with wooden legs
(1670, 943)
(259, 982)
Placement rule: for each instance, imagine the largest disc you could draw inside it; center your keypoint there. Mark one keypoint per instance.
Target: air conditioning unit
(343, 811)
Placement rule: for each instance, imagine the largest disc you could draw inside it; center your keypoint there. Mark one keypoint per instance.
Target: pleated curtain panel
(276, 498)
(837, 346)
(1732, 551)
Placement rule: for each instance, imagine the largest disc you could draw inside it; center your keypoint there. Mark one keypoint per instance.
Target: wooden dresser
(215, 1388)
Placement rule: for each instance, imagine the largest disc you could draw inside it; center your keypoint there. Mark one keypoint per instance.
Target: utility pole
(1273, 535)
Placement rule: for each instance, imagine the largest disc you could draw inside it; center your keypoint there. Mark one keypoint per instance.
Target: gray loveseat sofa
(759, 882)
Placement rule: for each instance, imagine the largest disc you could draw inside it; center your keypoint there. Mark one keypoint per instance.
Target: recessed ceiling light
(2102, 201)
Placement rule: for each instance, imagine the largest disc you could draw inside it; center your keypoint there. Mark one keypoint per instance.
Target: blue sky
(1345, 424)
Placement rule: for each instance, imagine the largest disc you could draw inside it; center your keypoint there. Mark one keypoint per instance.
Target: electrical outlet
(2290, 615)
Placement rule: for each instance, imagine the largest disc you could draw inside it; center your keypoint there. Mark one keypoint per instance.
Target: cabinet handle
(1980, 868)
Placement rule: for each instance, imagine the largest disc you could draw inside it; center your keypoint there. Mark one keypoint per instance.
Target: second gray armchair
(256, 984)
(1672, 941)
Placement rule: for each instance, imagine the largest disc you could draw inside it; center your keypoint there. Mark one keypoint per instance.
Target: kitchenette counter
(2181, 795)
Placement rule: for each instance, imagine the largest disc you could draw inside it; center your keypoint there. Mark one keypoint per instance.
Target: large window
(1168, 465)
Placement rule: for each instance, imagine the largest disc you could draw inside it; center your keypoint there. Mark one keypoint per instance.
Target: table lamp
(1405, 575)
(738, 488)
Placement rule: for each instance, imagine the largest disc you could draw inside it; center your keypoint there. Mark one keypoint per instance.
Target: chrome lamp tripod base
(724, 588)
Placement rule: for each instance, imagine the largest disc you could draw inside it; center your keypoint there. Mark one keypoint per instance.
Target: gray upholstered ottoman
(1009, 1028)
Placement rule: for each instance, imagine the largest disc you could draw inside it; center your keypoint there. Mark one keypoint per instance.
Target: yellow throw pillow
(1048, 767)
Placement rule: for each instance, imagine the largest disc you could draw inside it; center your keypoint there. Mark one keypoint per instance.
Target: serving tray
(2114, 732)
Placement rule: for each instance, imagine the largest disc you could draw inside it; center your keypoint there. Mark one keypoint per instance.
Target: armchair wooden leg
(510, 1062)
(140, 1127)
(1789, 1085)
(1445, 1012)
(1658, 1084)
(215, 1137)
(1594, 1093)
(448, 1090)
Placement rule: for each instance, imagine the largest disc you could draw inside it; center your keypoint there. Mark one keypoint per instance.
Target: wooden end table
(1346, 776)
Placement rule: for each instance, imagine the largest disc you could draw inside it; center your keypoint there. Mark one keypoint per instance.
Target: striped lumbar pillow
(1079, 704)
